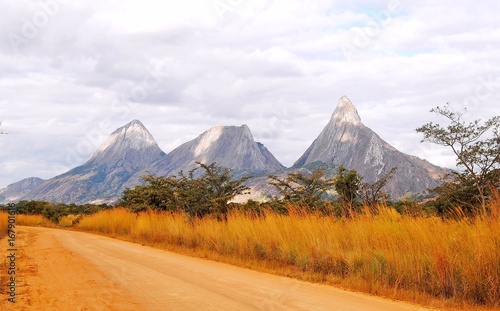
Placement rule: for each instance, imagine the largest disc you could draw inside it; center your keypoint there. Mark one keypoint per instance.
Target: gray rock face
(347, 141)
(229, 146)
(15, 191)
(107, 173)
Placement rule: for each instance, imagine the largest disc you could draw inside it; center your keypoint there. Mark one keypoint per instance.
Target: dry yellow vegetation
(421, 259)
(429, 260)
(33, 221)
(4, 218)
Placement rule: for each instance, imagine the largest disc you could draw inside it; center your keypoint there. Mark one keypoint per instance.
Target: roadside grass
(428, 260)
(69, 220)
(23, 220)
(3, 266)
(33, 221)
(114, 222)
(4, 222)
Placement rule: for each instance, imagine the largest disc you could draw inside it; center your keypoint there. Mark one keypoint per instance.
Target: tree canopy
(302, 189)
(197, 196)
(476, 146)
(347, 184)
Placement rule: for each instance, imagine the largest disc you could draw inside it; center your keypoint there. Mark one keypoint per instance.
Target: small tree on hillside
(372, 193)
(457, 192)
(159, 193)
(197, 196)
(301, 189)
(476, 146)
(220, 187)
(347, 184)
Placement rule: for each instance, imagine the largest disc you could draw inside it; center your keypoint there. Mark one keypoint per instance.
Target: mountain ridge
(130, 152)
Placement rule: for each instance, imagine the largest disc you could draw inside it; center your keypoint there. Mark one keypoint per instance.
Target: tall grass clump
(385, 253)
(116, 222)
(33, 220)
(158, 227)
(22, 220)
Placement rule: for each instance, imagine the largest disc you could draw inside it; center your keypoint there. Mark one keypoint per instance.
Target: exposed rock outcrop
(347, 141)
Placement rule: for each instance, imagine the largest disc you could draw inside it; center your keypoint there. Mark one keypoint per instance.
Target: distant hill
(17, 190)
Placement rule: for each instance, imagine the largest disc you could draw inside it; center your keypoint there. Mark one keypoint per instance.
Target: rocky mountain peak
(346, 141)
(131, 136)
(220, 134)
(346, 112)
(229, 146)
(111, 169)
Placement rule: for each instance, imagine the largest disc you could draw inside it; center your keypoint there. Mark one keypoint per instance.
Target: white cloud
(278, 66)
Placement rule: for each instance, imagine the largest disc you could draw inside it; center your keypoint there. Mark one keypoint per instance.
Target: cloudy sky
(72, 71)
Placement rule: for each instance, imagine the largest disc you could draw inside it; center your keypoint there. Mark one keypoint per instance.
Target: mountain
(347, 141)
(15, 191)
(127, 151)
(229, 146)
(131, 151)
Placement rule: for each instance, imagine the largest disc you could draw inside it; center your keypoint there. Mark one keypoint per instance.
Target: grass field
(426, 260)
(4, 218)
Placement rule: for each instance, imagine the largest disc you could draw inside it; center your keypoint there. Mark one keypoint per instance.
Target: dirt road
(64, 270)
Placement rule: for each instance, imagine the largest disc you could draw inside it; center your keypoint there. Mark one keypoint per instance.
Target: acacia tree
(220, 187)
(209, 193)
(457, 191)
(159, 193)
(302, 189)
(475, 144)
(372, 193)
(347, 184)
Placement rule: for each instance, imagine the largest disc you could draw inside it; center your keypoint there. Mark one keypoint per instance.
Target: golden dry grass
(116, 222)
(33, 221)
(68, 221)
(22, 220)
(4, 218)
(417, 259)
(3, 265)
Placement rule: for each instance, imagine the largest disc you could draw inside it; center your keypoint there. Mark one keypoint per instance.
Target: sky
(71, 72)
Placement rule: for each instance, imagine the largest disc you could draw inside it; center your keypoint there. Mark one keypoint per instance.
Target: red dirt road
(66, 270)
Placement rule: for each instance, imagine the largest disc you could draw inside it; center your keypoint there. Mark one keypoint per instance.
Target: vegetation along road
(66, 270)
